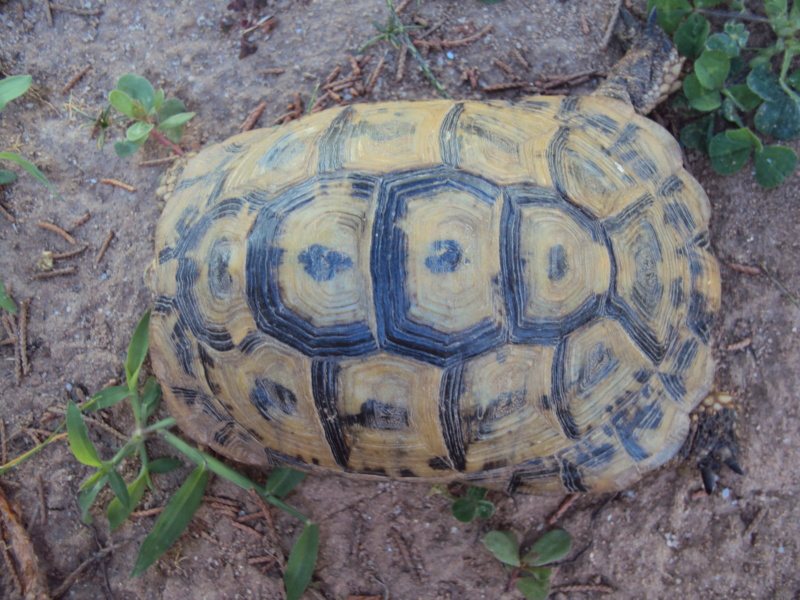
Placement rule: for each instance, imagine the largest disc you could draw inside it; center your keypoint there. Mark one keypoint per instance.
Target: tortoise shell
(512, 295)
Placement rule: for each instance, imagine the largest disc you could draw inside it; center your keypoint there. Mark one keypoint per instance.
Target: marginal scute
(518, 296)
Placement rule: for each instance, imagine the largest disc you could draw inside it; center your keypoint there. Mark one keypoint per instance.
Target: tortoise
(518, 295)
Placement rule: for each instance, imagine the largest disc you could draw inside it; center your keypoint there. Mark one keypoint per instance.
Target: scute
(515, 295)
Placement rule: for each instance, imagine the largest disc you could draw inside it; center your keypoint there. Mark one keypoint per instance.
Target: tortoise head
(649, 71)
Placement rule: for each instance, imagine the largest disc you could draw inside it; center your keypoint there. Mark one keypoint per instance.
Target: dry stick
(401, 7)
(253, 117)
(354, 65)
(505, 67)
(106, 243)
(58, 230)
(117, 183)
(81, 221)
(746, 269)
(55, 273)
(140, 514)
(247, 529)
(158, 162)
(573, 79)
(333, 74)
(779, 285)
(455, 43)
(76, 11)
(401, 63)
(23, 335)
(611, 24)
(273, 71)
(750, 529)
(739, 345)
(566, 503)
(48, 12)
(7, 214)
(578, 589)
(520, 59)
(71, 83)
(70, 254)
(373, 78)
(73, 577)
(500, 87)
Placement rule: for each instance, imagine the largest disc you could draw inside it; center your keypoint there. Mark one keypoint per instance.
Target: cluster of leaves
(467, 509)
(180, 509)
(528, 571)
(11, 88)
(6, 302)
(733, 85)
(154, 116)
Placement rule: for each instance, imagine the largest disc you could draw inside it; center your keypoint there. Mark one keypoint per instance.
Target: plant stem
(162, 140)
(731, 15)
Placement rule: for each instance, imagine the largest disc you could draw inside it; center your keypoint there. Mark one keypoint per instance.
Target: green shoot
(6, 302)
(153, 116)
(11, 88)
(735, 88)
(528, 572)
(467, 509)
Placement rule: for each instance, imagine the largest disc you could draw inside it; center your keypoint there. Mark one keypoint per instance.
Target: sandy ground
(660, 539)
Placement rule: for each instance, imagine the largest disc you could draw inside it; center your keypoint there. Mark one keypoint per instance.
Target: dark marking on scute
(279, 459)
(491, 465)
(571, 478)
(533, 105)
(560, 396)
(568, 106)
(637, 328)
(255, 435)
(269, 397)
(533, 470)
(166, 255)
(628, 135)
(439, 463)
(222, 435)
(700, 320)
(603, 123)
(220, 280)
(598, 363)
(557, 265)
(315, 461)
(323, 263)
(324, 374)
(482, 423)
(445, 256)
(183, 347)
(186, 395)
(647, 286)
(632, 212)
(677, 215)
(670, 186)
(555, 153)
(380, 471)
(628, 425)
(163, 304)
(642, 375)
(208, 368)
(676, 292)
(476, 127)
(407, 473)
(283, 152)
(331, 143)
(250, 342)
(216, 336)
(374, 414)
(449, 146)
(385, 132)
(450, 393)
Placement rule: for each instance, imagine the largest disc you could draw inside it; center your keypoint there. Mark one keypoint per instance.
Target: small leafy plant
(153, 115)
(473, 506)
(528, 572)
(734, 86)
(11, 88)
(6, 302)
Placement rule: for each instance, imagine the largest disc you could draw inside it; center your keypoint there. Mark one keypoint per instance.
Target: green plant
(100, 124)
(11, 88)
(529, 572)
(6, 303)
(153, 115)
(467, 509)
(733, 86)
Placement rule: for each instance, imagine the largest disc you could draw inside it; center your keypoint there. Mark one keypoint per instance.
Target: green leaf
(13, 87)
(108, 397)
(737, 32)
(126, 148)
(138, 131)
(300, 566)
(173, 127)
(670, 13)
(32, 169)
(712, 69)
(160, 466)
(151, 396)
(540, 573)
(552, 546)
(137, 351)
(173, 520)
(730, 112)
(504, 546)
(700, 98)
(698, 134)
(485, 509)
(78, 435)
(116, 512)
(87, 494)
(170, 108)
(532, 588)
(774, 164)
(745, 136)
(6, 303)
(122, 103)
(477, 493)
(706, 3)
(793, 79)
(120, 489)
(724, 43)
(775, 8)
(282, 481)
(7, 177)
(765, 83)
(742, 96)
(464, 510)
(780, 119)
(139, 90)
(159, 101)
(728, 155)
(691, 35)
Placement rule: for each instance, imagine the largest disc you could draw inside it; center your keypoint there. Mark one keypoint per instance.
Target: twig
(118, 183)
(373, 78)
(55, 273)
(76, 11)
(500, 87)
(505, 67)
(354, 65)
(73, 577)
(746, 269)
(779, 285)
(22, 330)
(750, 529)
(565, 505)
(611, 24)
(248, 529)
(102, 252)
(333, 74)
(401, 64)
(69, 254)
(48, 12)
(253, 117)
(402, 6)
(71, 83)
(573, 79)
(139, 514)
(273, 71)
(81, 221)
(58, 230)
(739, 345)
(455, 43)
(158, 162)
(7, 214)
(520, 59)
(578, 589)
